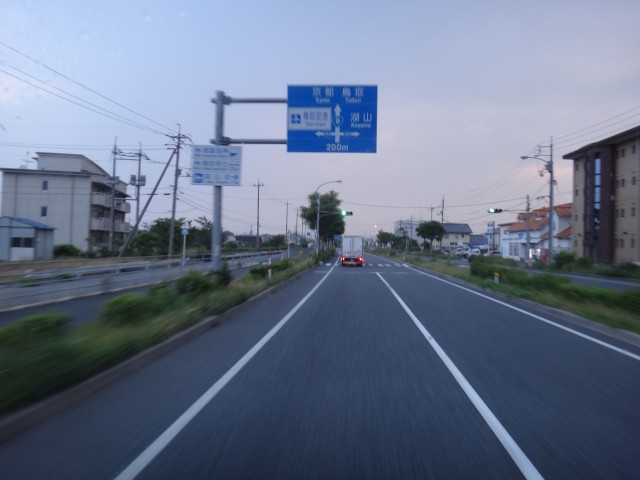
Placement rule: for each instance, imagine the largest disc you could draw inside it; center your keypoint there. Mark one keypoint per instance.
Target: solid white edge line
(153, 450)
(537, 317)
(515, 452)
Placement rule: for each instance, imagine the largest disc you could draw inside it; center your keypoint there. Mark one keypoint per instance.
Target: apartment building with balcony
(70, 193)
(606, 219)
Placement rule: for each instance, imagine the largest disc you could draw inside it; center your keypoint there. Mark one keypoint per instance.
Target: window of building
(633, 180)
(622, 182)
(577, 192)
(577, 165)
(617, 213)
(21, 242)
(633, 243)
(633, 211)
(622, 152)
(633, 149)
(43, 211)
(597, 191)
(622, 212)
(622, 243)
(45, 185)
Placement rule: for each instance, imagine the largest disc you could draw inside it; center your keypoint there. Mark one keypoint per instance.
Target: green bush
(514, 276)
(196, 283)
(325, 254)
(563, 260)
(540, 265)
(223, 277)
(281, 265)
(222, 300)
(262, 270)
(547, 281)
(584, 263)
(259, 271)
(125, 309)
(66, 250)
(626, 270)
(629, 301)
(39, 327)
(484, 269)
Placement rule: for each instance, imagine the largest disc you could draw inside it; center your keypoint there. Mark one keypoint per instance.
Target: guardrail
(35, 287)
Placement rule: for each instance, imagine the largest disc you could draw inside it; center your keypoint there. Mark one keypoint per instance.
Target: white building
(73, 195)
(406, 229)
(26, 240)
(513, 236)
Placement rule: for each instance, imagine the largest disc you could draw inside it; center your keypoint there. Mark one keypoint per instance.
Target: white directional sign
(216, 165)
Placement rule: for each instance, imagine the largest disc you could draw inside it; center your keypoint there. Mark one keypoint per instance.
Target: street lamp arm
(549, 167)
(326, 183)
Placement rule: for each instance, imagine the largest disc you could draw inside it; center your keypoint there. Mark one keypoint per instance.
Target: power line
(75, 147)
(81, 85)
(113, 116)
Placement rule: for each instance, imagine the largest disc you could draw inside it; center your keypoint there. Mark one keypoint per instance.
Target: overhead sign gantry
(327, 119)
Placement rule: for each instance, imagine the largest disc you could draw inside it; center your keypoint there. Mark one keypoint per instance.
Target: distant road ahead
(383, 371)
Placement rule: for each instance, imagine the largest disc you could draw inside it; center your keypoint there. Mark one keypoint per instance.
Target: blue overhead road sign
(332, 119)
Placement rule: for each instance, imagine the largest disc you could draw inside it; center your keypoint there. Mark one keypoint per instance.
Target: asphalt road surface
(383, 371)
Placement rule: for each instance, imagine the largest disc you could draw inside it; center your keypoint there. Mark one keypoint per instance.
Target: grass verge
(40, 355)
(615, 309)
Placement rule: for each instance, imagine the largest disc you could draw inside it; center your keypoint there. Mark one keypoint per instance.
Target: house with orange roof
(528, 237)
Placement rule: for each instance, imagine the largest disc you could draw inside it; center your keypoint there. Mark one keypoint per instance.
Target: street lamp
(318, 213)
(549, 167)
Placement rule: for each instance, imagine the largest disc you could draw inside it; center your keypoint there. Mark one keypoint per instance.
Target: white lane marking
(153, 450)
(515, 452)
(537, 317)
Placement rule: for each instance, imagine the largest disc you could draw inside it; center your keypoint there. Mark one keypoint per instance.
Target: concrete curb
(13, 424)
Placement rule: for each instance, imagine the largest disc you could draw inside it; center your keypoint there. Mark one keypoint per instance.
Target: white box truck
(351, 251)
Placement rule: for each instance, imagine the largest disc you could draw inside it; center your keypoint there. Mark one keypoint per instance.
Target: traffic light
(494, 210)
(345, 213)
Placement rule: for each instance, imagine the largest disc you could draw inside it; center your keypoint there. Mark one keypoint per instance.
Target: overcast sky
(465, 88)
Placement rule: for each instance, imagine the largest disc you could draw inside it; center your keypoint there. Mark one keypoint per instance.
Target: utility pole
(258, 221)
(528, 233)
(442, 219)
(286, 229)
(550, 169)
(112, 181)
(133, 231)
(139, 181)
(178, 138)
(297, 238)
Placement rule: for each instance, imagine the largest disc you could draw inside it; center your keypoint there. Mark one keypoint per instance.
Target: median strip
(153, 450)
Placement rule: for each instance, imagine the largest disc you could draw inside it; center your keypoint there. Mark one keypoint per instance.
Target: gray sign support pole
(221, 100)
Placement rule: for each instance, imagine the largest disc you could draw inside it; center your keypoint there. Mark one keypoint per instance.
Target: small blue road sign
(332, 119)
